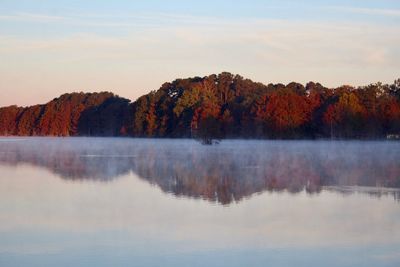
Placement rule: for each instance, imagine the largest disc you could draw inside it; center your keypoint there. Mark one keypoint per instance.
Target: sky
(48, 48)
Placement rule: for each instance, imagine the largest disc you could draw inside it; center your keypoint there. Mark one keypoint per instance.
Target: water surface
(143, 202)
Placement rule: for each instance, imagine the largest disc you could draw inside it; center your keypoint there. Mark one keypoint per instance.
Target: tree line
(217, 106)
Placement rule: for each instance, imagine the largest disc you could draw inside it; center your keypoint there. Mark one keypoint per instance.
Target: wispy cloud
(29, 17)
(278, 43)
(367, 11)
(153, 19)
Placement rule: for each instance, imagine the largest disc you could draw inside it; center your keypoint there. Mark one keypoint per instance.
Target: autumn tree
(346, 117)
(223, 105)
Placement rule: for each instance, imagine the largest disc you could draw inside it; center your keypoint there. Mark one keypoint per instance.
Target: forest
(217, 107)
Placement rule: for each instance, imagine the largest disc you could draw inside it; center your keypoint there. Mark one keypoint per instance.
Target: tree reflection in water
(225, 173)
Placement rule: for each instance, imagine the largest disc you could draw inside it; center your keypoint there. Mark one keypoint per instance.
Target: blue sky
(132, 47)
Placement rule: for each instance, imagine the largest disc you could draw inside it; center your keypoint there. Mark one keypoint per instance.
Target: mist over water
(150, 202)
(223, 173)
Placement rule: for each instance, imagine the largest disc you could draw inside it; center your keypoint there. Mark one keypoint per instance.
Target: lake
(149, 202)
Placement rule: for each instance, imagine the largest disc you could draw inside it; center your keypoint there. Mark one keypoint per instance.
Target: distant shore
(218, 107)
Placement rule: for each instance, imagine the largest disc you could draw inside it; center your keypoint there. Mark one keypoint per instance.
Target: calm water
(129, 202)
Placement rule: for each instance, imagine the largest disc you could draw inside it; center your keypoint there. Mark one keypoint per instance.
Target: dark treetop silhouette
(217, 106)
(226, 173)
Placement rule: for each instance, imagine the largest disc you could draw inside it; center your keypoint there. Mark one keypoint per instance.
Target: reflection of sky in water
(48, 221)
